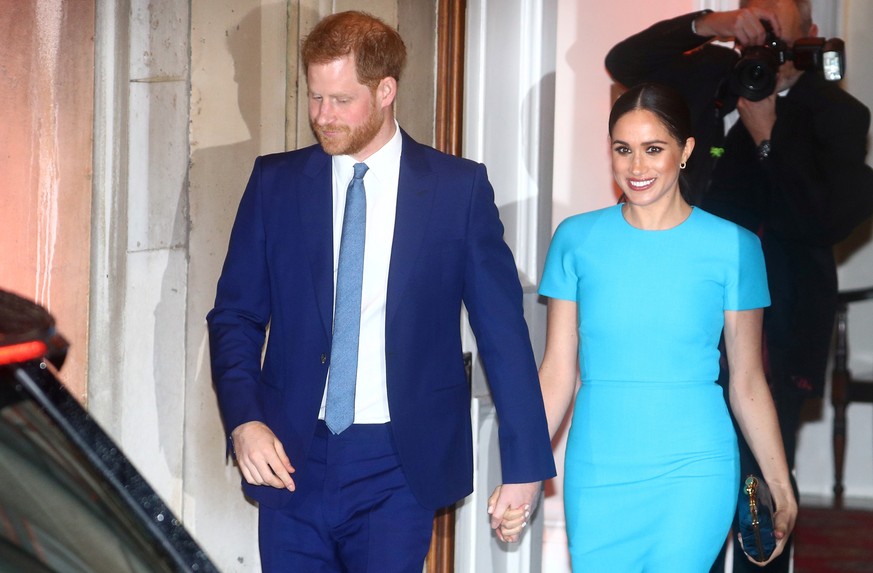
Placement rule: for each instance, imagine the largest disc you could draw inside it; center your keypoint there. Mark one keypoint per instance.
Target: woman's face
(646, 158)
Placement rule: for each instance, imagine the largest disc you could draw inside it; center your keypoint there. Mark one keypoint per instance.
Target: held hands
(784, 518)
(261, 457)
(510, 506)
(743, 25)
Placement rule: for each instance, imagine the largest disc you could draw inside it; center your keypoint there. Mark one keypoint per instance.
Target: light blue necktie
(340, 407)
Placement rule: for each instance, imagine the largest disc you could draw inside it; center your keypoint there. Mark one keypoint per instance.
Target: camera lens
(754, 76)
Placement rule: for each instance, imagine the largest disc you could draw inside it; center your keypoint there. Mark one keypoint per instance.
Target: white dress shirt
(380, 187)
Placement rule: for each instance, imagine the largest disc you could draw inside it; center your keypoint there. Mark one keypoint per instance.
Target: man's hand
(510, 506)
(743, 26)
(262, 459)
(759, 117)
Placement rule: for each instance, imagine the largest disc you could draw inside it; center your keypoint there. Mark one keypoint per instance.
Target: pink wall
(46, 90)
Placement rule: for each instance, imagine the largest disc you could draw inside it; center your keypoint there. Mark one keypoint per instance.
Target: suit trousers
(352, 511)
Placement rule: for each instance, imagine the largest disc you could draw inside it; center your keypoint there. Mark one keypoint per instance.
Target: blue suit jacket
(448, 249)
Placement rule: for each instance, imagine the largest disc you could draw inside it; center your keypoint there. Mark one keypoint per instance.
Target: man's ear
(386, 92)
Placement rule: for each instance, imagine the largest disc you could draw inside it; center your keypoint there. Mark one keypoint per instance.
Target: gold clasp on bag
(752, 492)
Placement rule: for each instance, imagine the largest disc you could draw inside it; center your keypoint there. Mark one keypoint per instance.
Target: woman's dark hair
(667, 104)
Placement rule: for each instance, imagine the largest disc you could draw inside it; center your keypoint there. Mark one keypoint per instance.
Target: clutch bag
(756, 519)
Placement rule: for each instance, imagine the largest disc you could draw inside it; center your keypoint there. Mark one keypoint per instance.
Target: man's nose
(323, 113)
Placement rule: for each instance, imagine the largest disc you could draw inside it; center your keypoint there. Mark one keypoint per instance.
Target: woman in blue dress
(641, 293)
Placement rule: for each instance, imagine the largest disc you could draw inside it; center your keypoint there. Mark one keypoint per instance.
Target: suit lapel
(415, 195)
(315, 200)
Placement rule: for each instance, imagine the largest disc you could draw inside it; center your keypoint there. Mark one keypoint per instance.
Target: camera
(754, 75)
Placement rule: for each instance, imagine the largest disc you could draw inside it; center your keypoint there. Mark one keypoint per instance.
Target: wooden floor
(848, 503)
(834, 540)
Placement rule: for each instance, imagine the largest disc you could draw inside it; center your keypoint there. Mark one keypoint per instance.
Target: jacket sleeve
(649, 55)
(670, 53)
(238, 323)
(493, 297)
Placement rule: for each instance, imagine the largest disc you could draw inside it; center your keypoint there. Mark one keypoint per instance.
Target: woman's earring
(682, 165)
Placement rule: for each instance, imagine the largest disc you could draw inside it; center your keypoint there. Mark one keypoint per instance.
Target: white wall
(139, 252)
(238, 104)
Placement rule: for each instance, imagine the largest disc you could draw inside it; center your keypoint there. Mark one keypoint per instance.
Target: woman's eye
(654, 149)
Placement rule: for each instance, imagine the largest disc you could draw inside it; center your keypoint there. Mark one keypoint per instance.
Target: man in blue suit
(361, 497)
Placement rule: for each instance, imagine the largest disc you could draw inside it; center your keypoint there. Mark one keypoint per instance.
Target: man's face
(347, 117)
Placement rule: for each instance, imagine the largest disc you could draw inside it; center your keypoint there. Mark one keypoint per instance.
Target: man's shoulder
(435, 159)
(310, 161)
(819, 95)
(294, 156)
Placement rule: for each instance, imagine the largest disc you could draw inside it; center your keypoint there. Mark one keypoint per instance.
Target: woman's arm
(755, 413)
(558, 374)
(560, 367)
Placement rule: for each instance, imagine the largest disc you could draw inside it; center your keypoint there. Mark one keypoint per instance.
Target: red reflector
(22, 352)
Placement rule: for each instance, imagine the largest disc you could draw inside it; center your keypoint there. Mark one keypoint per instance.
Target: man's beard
(351, 141)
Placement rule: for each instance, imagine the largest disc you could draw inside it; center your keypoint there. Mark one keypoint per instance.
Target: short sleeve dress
(651, 470)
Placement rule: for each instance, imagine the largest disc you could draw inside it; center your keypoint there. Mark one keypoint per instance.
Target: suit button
(323, 358)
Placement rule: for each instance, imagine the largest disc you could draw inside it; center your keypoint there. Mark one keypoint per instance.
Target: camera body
(754, 75)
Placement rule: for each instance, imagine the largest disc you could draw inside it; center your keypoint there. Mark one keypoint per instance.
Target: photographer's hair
(803, 6)
(378, 49)
(667, 104)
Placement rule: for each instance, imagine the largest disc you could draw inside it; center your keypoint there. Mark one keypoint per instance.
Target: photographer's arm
(657, 53)
(743, 26)
(758, 117)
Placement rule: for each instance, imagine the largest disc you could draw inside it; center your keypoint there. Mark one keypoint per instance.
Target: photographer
(789, 167)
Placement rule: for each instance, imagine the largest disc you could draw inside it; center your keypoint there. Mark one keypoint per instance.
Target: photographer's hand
(759, 117)
(743, 26)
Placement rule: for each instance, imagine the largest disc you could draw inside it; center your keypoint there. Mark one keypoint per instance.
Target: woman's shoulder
(722, 229)
(575, 232)
(590, 218)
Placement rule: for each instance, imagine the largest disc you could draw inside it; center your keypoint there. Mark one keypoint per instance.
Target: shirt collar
(384, 162)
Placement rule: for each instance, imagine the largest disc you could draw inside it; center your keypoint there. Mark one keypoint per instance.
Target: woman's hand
(509, 526)
(783, 520)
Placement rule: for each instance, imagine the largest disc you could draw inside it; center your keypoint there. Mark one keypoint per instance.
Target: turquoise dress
(651, 472)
